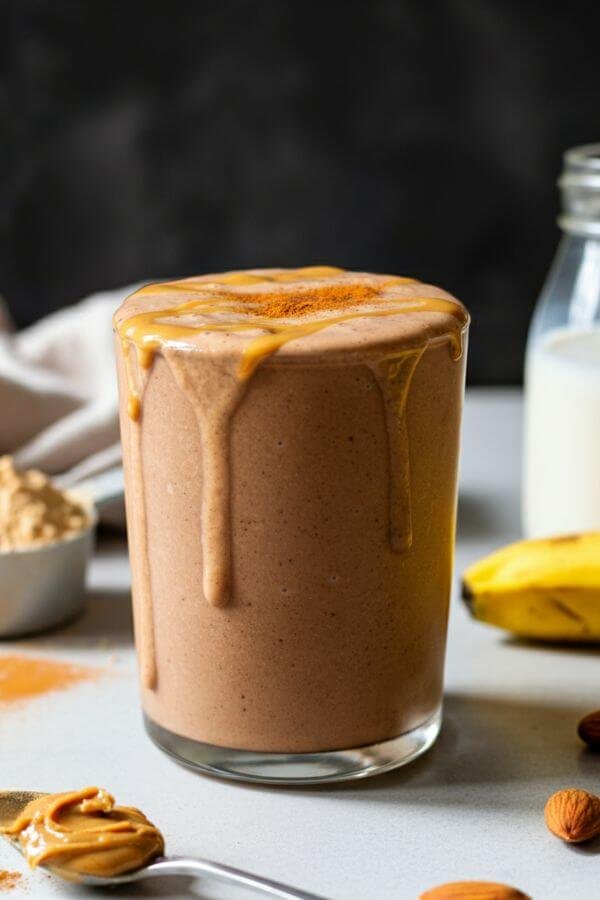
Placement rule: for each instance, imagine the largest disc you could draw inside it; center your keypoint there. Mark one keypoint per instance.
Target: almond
(589, 729)
(573, 815)
(474, 890)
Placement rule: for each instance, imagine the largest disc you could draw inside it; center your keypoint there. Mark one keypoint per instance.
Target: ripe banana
(547, 589)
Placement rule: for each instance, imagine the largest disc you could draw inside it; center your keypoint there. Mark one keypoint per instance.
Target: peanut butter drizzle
(140, 563)
(84, 833)
(248, 311)
(214, 394)
(240, 302)
(394, 376)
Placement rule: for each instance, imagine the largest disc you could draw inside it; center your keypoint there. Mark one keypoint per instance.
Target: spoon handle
(181, 865)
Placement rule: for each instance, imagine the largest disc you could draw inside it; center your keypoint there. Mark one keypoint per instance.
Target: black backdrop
(147, 139)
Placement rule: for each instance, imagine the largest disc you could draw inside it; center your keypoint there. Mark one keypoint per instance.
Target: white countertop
(470, 809)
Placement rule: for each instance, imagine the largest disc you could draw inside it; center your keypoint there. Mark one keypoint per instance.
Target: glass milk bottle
(561, 486)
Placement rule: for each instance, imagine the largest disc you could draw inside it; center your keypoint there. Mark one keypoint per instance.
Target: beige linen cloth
(58, 392)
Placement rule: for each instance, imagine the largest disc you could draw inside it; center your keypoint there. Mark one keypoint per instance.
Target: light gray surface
(472, 808)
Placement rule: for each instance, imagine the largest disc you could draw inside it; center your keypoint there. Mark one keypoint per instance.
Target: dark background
(152, 139)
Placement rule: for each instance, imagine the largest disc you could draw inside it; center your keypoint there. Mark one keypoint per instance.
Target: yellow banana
(547, 589)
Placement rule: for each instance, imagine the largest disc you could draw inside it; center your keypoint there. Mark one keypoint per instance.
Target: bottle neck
(579, 184)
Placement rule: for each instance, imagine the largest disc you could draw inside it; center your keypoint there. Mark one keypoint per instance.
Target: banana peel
(546, 589)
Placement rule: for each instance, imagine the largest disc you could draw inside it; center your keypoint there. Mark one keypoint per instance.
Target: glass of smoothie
(290, 442)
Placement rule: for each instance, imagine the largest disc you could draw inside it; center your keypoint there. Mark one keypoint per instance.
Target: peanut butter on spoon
(83, 837)
(83, 832)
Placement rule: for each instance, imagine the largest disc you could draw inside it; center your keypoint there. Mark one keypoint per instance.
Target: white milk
(561, 488)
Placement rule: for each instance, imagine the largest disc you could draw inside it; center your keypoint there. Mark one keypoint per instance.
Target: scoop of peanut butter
(84, 833)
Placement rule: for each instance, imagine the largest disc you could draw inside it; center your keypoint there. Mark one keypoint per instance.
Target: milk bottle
(561, 478)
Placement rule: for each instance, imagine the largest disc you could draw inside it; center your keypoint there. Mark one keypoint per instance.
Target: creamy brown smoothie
(290, 440)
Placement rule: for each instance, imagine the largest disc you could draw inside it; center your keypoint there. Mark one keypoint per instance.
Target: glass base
(298, 768)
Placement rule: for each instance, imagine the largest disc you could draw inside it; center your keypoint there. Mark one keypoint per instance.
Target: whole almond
(573, 815)
(474, 890)
(589, 729)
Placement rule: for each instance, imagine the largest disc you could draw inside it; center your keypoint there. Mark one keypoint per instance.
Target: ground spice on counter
(9, 880)
(25, 677)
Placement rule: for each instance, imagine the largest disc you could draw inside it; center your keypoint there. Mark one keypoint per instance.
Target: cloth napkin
(58, 392)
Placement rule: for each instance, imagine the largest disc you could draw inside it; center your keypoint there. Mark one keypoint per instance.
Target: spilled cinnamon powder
(9, 880)
(25, 677)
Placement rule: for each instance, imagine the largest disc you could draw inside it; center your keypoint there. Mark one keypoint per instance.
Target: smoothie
(290, 443)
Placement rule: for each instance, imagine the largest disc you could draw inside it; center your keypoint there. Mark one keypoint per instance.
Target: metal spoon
(13, 802)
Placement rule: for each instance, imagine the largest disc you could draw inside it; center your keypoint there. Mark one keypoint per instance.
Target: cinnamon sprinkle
(309, 300)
